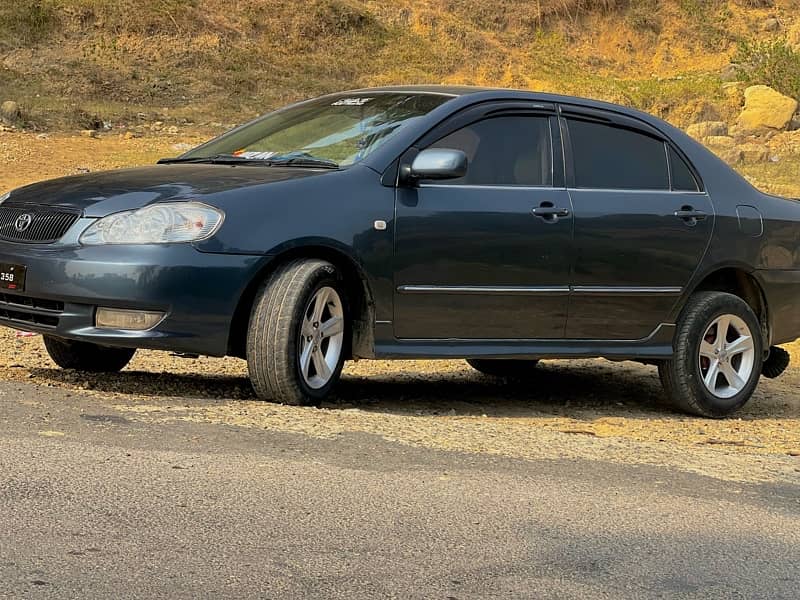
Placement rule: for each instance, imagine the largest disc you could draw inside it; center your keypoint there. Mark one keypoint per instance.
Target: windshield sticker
(257, 155)
(352, 101)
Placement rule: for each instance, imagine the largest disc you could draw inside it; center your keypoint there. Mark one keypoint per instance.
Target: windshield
(339, 130)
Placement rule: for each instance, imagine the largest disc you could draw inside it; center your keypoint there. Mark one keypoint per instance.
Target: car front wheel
(718, 356)
(297, 337)
(84, 356)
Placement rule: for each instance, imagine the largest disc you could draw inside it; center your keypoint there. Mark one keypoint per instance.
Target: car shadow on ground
(577, 389)
(554, 388)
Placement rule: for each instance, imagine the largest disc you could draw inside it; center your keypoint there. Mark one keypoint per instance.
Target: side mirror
(437, 163)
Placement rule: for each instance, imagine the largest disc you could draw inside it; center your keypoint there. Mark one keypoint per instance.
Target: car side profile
(498, 226)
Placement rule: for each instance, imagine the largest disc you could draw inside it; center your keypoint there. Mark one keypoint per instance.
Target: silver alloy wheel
(727, 356)
(322, 337)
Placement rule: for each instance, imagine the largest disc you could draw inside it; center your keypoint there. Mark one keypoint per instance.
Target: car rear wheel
(514, 369)
(84, 356)
(718, 356)
(297, 337)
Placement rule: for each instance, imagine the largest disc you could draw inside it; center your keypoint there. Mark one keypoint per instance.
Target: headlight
(166, 223)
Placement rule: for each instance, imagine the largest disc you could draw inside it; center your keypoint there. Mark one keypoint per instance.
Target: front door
(642, 225)
(487, 256)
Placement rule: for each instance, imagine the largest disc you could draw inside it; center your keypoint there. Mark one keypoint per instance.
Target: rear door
(487, 256)
(642, 225)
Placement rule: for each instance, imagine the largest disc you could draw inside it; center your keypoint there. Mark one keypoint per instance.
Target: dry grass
(227, 60)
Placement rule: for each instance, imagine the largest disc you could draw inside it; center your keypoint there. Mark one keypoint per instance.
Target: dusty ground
(27, 157)
(586, 409)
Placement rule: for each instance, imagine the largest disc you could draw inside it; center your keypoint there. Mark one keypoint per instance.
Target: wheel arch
(359, 295)
(739, 280)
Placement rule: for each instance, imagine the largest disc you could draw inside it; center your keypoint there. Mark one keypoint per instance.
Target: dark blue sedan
(427, 222)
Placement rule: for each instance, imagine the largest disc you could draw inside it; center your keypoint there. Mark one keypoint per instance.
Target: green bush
(335, 17)
(145, 17)
(773, 63)
(643, 16)
(26, 21)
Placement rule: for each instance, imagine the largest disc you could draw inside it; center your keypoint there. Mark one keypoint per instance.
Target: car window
(343, 129)
(609, 157)
(511, 150)
(682, 178)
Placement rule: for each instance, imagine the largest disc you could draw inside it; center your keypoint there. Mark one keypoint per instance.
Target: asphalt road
(96, 505)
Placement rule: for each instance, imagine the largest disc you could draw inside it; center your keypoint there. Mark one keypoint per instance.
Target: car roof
(463, 91)
(444, 90)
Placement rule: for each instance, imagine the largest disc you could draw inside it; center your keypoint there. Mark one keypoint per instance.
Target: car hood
(100, 194)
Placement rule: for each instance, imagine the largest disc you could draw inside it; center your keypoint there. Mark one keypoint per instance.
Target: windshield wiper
(305, 162)
(217, 159)
(292, 160)
(302, 159)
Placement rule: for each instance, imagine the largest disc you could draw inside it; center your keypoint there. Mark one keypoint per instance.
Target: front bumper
(198, 291)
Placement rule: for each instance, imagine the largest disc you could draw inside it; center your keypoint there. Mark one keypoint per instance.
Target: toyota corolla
(498, 226)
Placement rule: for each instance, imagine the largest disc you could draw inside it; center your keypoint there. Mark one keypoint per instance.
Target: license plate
(12, 277)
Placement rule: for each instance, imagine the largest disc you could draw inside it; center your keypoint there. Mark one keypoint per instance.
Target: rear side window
(510, 150)
(609, 157)
(682, 178)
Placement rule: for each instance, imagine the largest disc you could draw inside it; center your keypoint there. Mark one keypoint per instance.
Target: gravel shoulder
(588, 409)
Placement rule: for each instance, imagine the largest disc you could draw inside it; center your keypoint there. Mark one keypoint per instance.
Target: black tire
(274, 334)
(506, 368)
(85, 356)
(682, 375)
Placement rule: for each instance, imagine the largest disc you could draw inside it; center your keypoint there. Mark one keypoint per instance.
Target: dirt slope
(72, 63)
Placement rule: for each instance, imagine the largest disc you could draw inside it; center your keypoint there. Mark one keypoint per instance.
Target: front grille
(44, 224)
(34, 311)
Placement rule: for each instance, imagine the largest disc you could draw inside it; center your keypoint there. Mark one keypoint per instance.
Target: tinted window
(609, 157)
(504, 151)
(682, 178)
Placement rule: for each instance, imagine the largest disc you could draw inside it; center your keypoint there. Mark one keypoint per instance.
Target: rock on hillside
(766, 109)
(9, 111)
(704, 129)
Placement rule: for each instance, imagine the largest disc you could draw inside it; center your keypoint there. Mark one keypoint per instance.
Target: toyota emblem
(23, 222)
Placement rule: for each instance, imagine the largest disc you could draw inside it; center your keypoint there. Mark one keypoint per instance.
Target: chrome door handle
(549, 212)
(690, 215)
